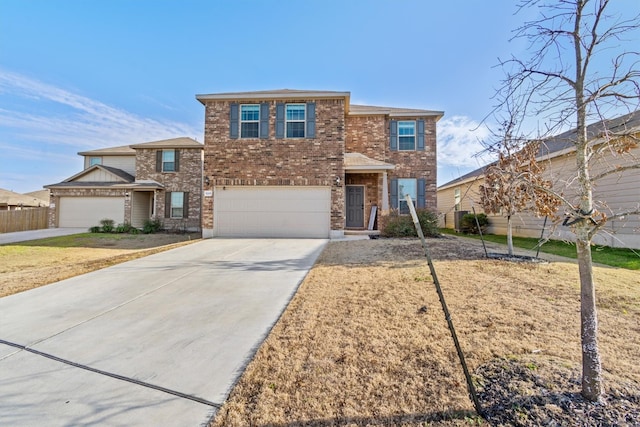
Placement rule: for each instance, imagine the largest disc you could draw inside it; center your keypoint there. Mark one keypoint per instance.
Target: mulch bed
(536, 392)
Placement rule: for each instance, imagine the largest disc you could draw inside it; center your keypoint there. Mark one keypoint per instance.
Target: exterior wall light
(338, 181)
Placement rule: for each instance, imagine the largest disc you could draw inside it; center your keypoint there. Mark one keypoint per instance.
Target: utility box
(457, 220)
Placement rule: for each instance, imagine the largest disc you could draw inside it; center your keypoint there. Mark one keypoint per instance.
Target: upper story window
(95, 161)
(295, 120)
(249, 121)
(167, 160)
(406, 136)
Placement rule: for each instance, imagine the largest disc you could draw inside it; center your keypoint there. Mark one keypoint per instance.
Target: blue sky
(78, 75)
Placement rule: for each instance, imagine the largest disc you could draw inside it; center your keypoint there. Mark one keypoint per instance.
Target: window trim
(173, 206)
(414, 197)
(241, 121)
(303, 121)
(93, 158)
(414, 136)
(456, 200)
(163, 162)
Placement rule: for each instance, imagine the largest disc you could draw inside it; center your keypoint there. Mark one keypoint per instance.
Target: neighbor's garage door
(272, 211)
(88, 211)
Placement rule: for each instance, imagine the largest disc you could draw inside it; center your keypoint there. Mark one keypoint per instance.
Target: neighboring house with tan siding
(11, 201)
(132, 184)
(613, 194)
(299, 163)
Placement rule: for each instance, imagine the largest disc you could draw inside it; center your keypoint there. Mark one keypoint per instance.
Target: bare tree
(515, 184)
(560, 85)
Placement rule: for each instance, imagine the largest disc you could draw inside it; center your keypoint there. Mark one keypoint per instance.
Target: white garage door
(272, 211)
(88, 211)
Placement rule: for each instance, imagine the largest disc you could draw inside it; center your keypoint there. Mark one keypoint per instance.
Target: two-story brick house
(308, 164)
(131, 184)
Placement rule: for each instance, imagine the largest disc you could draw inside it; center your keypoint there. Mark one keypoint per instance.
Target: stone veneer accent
(187, 179)
(272, 161)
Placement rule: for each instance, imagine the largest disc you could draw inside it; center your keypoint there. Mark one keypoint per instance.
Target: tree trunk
(509, 237)
(591, 367)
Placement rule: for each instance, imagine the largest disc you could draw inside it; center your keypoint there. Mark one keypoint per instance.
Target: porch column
(385, 193)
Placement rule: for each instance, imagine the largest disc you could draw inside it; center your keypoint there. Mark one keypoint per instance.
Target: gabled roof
(370, 110)
(10, 198)
(129, 150)
(360, 162)
(319, 94)
(121, 177)
(626, 123)
(274, 94)
(564, 142)
(123, 150)
(183, 142)
(39, 194)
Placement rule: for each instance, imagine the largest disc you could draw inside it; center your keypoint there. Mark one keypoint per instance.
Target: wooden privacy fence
(23, 220)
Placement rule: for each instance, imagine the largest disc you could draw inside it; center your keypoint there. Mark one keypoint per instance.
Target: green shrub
(151, 226)
(402, 225)
(95, 229)
(469, 225)
(125, 228)
(428, 222)
(107, 225)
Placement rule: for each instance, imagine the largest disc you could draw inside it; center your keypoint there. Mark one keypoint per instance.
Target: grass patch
(614, 257)
(29, 264)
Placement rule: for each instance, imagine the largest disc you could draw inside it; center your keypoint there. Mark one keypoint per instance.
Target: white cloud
(459, 142)
(45, 113)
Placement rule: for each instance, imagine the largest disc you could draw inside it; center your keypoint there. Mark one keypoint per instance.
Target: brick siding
(275, 161)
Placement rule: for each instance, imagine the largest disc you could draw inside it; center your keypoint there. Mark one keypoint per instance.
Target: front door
(355, 206)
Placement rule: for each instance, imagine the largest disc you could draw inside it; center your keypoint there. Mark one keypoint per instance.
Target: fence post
(447, 315)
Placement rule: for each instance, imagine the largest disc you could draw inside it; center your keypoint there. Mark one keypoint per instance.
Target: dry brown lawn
(30, 264)
(364, 341)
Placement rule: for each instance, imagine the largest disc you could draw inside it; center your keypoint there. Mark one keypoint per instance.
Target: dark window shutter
(420, 134)
(185, 204)
(421, 193)
(233, 121)
(159, 161)
(264, 120)
(394, 193)
(393, 135)
(167, 204)
(311, 120)
(279, 120)
(176, 154)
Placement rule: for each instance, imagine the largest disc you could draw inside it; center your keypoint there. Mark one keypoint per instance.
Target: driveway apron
(157, 341)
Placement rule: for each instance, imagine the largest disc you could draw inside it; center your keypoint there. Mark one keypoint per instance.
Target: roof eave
(372, 169)
(249, 96)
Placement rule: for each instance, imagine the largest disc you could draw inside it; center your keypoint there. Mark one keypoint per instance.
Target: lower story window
(406, 186)
(177, 204)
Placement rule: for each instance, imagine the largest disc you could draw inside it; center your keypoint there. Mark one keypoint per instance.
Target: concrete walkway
(158, 341)
(23, 236)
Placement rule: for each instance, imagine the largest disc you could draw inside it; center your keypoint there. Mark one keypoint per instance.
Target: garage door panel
(272, 212)
(89, 211)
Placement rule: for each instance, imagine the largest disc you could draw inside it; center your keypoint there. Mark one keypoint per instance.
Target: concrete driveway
(157, 341)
